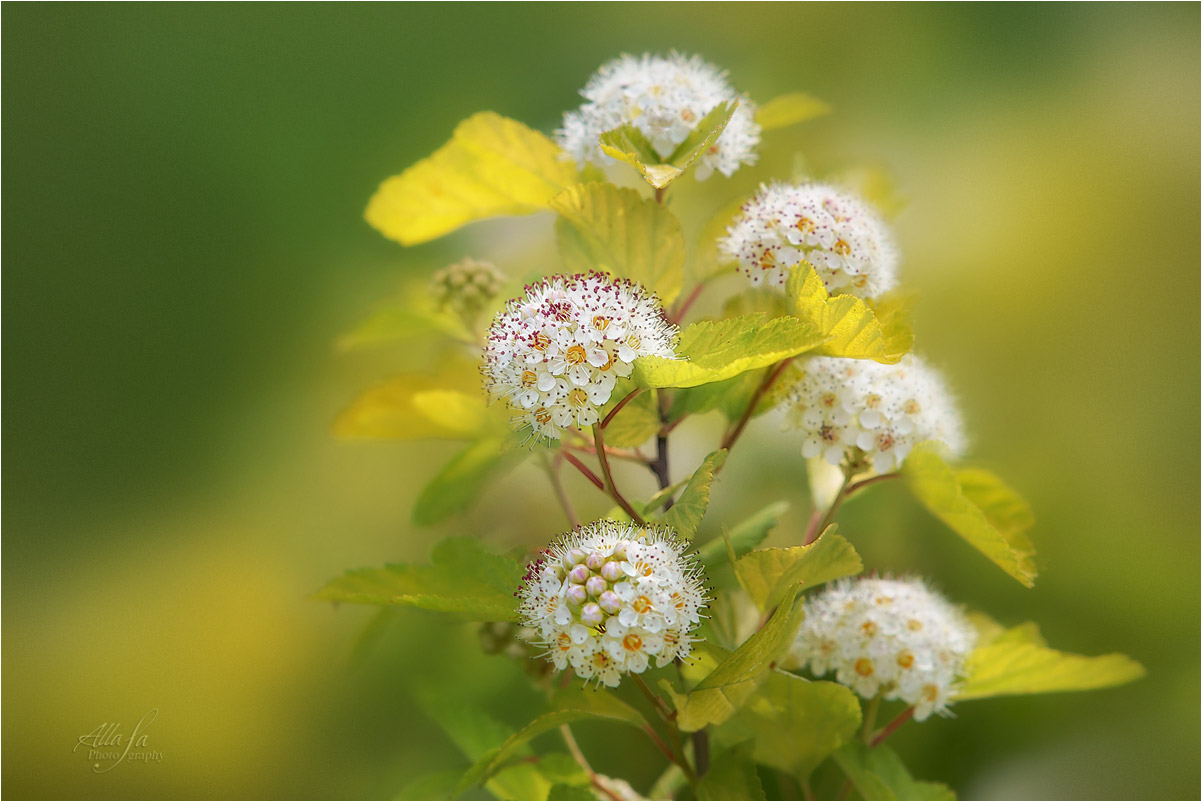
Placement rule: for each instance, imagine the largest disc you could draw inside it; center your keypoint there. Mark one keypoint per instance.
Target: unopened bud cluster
(466, 286)
(839, 235)
(608, 598)
(860, 409)
(892, 637)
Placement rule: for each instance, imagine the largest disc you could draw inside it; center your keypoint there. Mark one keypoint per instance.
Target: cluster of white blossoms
(893, 637)
(844, 238)
(883, 410)
(465, 286)
(608, 598)
(665, 98)
(556, 354)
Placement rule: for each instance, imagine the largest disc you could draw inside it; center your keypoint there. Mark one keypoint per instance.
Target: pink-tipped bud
(579, 575)
(591, 615)
(576, 595)
(611, 571)
(595, 561)
(609, 602)
(596, 586)
(578, 556)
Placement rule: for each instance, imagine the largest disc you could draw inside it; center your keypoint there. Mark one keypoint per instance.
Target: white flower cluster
(665, 98)
(465, 286)
(845, 240)
(882, 410)
(556, 354)
(893, 637)
(607, 598)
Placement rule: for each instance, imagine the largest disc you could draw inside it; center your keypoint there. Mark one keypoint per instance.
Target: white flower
(893, 637)
(841, 405)
(665, 98)
(609, 599)
(845, 240)
(555, 355)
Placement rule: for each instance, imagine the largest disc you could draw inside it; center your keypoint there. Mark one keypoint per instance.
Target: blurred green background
(185, 242)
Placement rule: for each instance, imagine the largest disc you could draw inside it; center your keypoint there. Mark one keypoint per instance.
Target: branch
(609, 485)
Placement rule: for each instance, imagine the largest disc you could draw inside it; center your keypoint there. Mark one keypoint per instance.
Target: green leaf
(790, 109)
(878, 773)
(627, 144)
(1018, 662)
(796, 723)
(720, 695)
(603, 227)
(732, 775)
(411, 314)
(463, 577)
(976, 505)
(636, 423)
(439, 785)
(717, 350)
(768, 574)
(447, 405)
(686, 514)
(492, 166)
(461, 480)
(571, 704)
(744, 537)
(850, 326)
(567, 791)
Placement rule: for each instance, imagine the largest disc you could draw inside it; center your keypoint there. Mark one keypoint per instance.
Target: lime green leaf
(461, 480)
(850, 326)
(492, 166)
(568, 791)
(686, 514)
(997, 529)
(602, 227)
(797, 723)
(635, 423)
(768, 574)
(719, 696)
(893, 314)
(570, 705)
(744, 537)
(790, 109)
(878, 773)
(732, 775)
(439, 785)
(411, 314)
(408, 407)
(1017, 662)
(627, 144)
(521, 781)
(717, 350)
(463, 578)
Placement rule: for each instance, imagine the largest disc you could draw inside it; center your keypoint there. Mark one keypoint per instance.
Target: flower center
(864, 667)
(578, 398)
(540, 341)
(829, 399)
(905, 659)
(805, 225)
(633, 342)
(827, 433)
(872, 401)
(910, 407)
(576, 354)
(642, 604)
(632, 643)
(609, 361)
(600, 322)
(914, 625)
(542, 415)
(868, 628)
(768, 260)
(842, 248)
(529, 377)
(885, 442)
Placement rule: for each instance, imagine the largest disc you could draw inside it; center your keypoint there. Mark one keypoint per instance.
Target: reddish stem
(769, 380)
(584, 469)
(679, 313)
(618, 407)
(892, 726)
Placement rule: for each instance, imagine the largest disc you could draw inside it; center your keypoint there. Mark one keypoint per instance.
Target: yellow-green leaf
(742, 538)
(407, 407)
(636, 422)
(731, 775)
(603, 227)
(460, 481)
(463, 578)
(878, 773)
(850, 326)
(410, 314)
(492, 166)
(686, 514)
(571, 704)
(712, 351)
(1018, 662)
(796, 723)
(976, 505)
(627, 144)
(790, 109)
(720, 695)
(768, 574)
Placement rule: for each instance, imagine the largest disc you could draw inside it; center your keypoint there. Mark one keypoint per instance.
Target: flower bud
(591, 615)
(609, 602)
(611, 571)
(578, 556)
(596, 586)
(579, 575)
(576, 595)
(594, 562)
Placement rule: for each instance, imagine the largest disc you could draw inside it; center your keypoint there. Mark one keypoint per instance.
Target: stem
(618, 406)
(660, 192)
(660, 465)
(845, 492)
(653, 697)
(812, 527)
(557, 486)
(609, 485)
(892, 726)
(701, 751)
(584, 469)
(679, 313)
(628, 454)
(769, 379)
(871, 481)
(870, 719)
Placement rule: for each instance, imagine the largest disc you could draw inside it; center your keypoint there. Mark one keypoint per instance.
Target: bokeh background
(184, 243)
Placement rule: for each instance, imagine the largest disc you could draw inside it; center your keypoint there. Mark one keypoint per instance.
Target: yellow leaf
(1018, 662)
(448, 406)
(492, 166)
(790, 109)
(851, 326)
(628, 144)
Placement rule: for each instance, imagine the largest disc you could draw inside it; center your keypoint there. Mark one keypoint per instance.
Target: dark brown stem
(892, 726)
(618, 407)
(659, 466)
(701, 752)
(769, 379)
(584, 469)
(609, 485)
